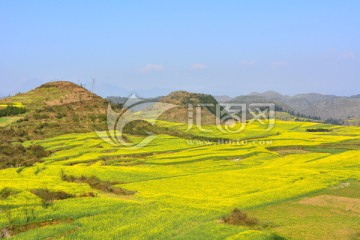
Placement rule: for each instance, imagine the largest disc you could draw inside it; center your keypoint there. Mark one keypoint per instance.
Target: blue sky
(152, 47)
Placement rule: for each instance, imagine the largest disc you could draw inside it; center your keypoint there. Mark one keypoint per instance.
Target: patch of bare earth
(334, 202)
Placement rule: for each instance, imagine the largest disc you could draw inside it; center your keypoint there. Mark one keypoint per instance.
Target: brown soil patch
(335, 202)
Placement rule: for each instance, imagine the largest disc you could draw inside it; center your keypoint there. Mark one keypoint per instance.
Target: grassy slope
(184, 187)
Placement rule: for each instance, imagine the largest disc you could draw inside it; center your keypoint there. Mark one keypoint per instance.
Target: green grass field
(297, 184)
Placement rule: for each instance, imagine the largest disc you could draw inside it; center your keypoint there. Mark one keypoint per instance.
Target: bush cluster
(11, 111)
(238, 217)
(318, 130)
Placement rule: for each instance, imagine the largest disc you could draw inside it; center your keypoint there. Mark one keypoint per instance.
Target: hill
(270, 95)
(183, 99)
(52, 109)
(59, 107)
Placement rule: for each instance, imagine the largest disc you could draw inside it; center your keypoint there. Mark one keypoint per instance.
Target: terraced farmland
(297, 184)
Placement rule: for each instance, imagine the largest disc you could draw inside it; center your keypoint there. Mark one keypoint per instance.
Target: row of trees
(334, 121)
(298, 115)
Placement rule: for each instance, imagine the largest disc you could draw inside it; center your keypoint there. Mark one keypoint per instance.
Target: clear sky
(219, 47)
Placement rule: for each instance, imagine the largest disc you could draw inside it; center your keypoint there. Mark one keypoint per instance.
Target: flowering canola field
(183, 187)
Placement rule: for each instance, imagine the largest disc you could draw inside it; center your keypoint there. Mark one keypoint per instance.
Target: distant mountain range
(313, 104)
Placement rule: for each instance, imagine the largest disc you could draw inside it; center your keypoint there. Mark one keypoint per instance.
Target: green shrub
(318, 130)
